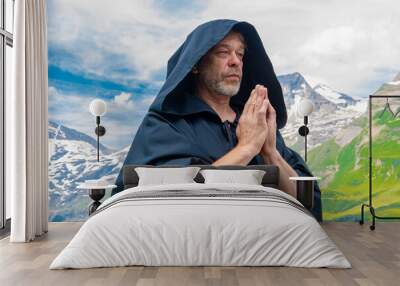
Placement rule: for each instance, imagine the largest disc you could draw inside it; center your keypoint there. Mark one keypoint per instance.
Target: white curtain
(26, 124)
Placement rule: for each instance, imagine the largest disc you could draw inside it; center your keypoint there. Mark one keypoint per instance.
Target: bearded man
(221, 104)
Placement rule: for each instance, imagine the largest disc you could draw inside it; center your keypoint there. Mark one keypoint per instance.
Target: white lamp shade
(98, 107)
(305, 107)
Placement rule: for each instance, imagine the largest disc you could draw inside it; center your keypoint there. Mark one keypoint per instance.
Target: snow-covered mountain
(294, 87)
(334, 96)
(58, 131)
(333, 110)
(73, 159)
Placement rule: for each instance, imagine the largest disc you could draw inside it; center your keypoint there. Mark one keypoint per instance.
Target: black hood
(257, 69)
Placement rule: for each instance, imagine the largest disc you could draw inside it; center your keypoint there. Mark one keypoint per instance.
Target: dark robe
(182, 129)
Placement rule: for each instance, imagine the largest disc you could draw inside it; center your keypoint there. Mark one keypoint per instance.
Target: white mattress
(183, 231)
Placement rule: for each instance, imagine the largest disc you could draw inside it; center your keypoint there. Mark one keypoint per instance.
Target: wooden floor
(375, 257)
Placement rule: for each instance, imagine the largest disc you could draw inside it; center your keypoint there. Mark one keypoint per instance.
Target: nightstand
(305, 190)
(96, 193)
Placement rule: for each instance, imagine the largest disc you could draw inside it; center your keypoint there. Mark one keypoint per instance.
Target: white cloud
(347, 45)
(333, 42)
(123, 98)
(105, 35)
(121, 120)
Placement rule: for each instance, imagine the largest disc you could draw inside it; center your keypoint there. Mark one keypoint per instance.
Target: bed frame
(270, 179)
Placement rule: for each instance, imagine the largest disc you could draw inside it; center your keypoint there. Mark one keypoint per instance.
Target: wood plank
(374, 255)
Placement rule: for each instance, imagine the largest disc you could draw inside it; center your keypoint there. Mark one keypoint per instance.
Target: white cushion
(249, 177)
(163, 176)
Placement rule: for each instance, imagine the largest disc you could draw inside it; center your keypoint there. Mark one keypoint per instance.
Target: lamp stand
(100, 131)
(303, 131)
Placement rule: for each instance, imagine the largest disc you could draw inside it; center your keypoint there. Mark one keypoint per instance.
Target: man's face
(221, 68)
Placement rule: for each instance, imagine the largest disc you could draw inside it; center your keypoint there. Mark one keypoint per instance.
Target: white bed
(251, 225)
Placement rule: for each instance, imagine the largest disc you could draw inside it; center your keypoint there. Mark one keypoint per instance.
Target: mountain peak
(296, 76)
(390, 88)
(328, 92)
(334, 96)
(294, 86)
(397, 77)
(322, 86)
(59, 131)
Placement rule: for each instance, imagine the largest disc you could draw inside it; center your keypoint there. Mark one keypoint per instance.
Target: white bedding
(181, 231)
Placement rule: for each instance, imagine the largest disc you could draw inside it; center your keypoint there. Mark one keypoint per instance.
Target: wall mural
(118, 51)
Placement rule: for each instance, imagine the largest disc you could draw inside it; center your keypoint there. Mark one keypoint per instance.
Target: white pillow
(163, 176)
(249, 177)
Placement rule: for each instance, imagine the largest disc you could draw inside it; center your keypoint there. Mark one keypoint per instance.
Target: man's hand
(271, 155)
(269, 147)
(252, 128)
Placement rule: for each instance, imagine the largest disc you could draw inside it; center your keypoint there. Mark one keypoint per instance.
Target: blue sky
(118, 50)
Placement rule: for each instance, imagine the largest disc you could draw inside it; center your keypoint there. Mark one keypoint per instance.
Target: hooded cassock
(181, 129)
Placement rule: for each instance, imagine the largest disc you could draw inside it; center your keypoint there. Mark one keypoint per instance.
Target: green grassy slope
(344, 171)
